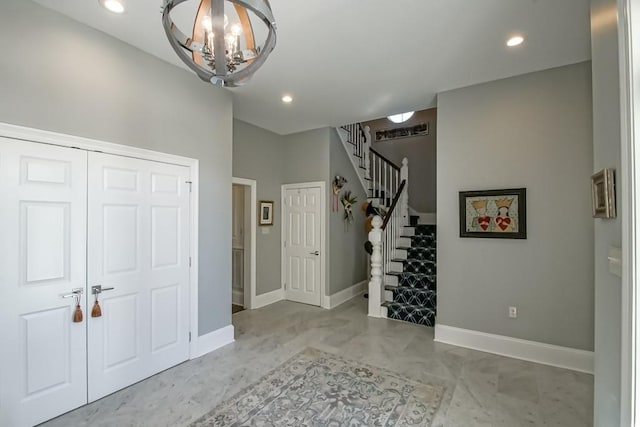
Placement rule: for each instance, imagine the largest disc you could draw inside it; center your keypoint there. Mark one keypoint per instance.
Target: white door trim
(323, 236)
(629, 61)
(250, 294)
(46, 137)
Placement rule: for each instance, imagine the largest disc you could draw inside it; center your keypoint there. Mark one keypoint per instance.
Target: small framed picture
(266, 212)
(603, 194)
(498, 214)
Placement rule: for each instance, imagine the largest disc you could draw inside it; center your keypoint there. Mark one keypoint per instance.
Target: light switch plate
(615, 261)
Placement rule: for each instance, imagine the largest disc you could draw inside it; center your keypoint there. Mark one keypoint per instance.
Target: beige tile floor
(483, 389)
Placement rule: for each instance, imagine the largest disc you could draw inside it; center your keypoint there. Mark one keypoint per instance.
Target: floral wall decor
(348, 200)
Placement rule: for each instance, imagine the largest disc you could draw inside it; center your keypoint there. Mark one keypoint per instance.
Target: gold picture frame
(603, 194)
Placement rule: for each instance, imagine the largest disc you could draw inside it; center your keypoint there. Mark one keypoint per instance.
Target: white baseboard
(214, 340)
(546, 354)
(237, 296)
(344, 295)
(269, 298)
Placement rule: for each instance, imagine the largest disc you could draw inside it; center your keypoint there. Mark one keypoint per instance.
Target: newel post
(404, 200)
(367, 146)
(376, 287)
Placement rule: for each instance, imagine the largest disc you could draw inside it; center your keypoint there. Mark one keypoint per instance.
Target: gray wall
(421, 152)
(307, 160)
(606, 154)
(307, 156)
(259, 154)
(532, 131)
(348, 258)
(64, 77)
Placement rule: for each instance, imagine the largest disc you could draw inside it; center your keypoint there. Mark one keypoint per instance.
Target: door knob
(74, 292)
(98, 289)
(316, 253)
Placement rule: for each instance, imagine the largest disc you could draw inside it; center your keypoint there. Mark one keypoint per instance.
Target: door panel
(120, 243)
(165, 320)
(237, 276)
(43, 256)
(165, 236)
(45, 232)
(302, 212)
(139, 246)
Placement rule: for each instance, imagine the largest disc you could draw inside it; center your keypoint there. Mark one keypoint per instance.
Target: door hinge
(190, 185)
(285, 286)
(189, 336)
(189, 261)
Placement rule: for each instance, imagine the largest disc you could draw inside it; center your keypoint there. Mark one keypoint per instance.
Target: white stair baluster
(374, 180)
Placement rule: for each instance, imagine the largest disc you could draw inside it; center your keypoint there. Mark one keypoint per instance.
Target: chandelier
(221, 47)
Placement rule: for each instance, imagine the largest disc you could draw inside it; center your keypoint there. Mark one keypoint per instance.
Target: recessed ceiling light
(401, 118)
(115, 6)
(515, 41)
(287, 99)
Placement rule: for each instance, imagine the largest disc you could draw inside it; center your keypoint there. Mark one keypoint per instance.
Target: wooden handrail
(387, 217)
(393, 165)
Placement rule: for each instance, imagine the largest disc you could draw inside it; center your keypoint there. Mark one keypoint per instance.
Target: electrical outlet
(513, 312)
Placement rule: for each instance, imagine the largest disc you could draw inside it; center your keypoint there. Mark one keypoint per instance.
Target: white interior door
(237, 258)
(139, 246)
(237, 223)
(43, 257)
(302, 209)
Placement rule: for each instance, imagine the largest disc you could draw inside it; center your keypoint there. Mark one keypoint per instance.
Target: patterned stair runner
(414, 299)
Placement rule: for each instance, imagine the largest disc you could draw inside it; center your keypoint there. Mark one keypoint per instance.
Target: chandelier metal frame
(194, 52)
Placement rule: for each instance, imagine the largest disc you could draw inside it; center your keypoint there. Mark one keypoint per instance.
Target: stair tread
(402, 304)
(395, 273)
(404, 261)
(418, 315)
(408, 288)
(400, 273)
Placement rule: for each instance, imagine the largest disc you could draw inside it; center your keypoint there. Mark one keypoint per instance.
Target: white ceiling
(346, 61)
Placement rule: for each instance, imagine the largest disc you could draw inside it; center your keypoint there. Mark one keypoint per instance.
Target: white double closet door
(71, 220)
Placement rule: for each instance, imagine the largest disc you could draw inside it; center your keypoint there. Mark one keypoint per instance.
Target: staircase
(403, 262)
(413, 295)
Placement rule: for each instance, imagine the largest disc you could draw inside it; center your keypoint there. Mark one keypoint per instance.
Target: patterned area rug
(319, 389)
